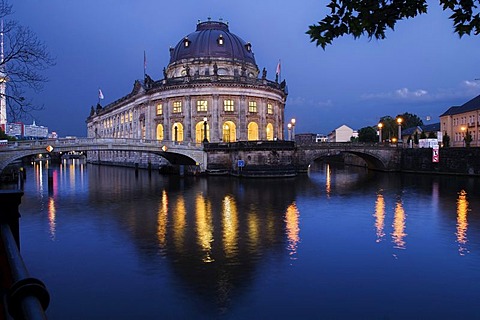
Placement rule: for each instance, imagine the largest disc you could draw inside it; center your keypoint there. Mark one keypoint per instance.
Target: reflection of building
(459, 120)
(210, 89)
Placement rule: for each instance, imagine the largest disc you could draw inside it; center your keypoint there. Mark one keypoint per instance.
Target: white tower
(3, 84)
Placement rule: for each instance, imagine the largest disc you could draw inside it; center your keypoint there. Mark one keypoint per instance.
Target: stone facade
(212, 91)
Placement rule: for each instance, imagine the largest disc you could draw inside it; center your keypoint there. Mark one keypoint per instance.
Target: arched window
(269, 130)
(200, 132)
(229, 132)
(159, 132)
(252, 131)
(177, 132)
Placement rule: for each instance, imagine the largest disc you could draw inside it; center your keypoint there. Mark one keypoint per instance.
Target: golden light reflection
(230, 226)
(293, 230)
(204, 227)
(253, 230)
(380, 217)
(399, 222)
(51, 217)
(179, 223)
(462, 224)
(162, 220)
(328, 180)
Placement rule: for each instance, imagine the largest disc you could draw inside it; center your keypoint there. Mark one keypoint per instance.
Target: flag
(100, 94)
(278, 68)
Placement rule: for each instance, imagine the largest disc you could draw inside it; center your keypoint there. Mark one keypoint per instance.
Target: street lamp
(175, 129)
(205, 140)
(463, 134)
(293, 128)
(380, 126)
(399, 122)
(289, 126)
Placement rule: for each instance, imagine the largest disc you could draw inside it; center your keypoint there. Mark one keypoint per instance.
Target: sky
(422, 67)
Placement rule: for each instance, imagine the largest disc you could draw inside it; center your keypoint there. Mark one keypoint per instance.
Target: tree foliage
(367, 134)
(25, 58)
(390, 125)
(373, 17)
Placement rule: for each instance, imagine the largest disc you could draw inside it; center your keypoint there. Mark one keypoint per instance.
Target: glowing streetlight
(380, 126)
(399, 122)
(463, 134)
(205, 140)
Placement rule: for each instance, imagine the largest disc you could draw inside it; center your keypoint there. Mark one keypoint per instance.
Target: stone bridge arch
(376, 158)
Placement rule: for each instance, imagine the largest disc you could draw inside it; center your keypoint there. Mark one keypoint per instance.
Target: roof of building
(212, 39)
(434, 127)
(471, 105)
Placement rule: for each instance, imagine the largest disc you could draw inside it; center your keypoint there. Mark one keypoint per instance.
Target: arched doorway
(269, 130)
(252, 134)
(200, 132)
(177, 132)
(229, 132)
(159, 132)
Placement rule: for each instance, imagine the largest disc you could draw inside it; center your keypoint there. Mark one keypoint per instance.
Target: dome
(212, 39)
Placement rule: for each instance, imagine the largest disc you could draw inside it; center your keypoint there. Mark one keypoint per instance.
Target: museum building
(212, 90)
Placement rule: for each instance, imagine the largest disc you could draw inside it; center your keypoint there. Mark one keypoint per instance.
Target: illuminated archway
(269, 130)
(159, 132)
(177, 132)
(229, 132)
(200, 132)
(252, 131)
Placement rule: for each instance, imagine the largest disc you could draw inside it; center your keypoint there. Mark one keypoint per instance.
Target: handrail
(27, 297)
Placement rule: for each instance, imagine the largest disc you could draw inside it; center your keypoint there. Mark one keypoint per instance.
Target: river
(338, 243)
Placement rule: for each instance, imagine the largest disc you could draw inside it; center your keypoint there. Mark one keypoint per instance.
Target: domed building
(211, 89)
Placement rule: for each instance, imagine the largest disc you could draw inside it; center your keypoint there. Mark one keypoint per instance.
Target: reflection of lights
(253, 230)
(462, 224)
(162, 221)
(204, 227)
(328, 180)
(293, 229)
(399, 234)
(380, 216)
(230, 226)
(179, 222)
(51, 217)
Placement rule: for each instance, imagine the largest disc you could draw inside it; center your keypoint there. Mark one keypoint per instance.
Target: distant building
(342, 134)
(459, 120)
(429, 129)
(26, 131)
(305, 138)
(321, 138)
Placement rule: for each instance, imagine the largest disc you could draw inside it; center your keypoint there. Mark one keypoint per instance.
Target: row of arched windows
(229, 132)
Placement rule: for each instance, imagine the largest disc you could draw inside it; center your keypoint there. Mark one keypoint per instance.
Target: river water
(338, 243)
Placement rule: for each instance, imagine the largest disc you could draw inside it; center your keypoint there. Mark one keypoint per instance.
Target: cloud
(465, 90)
(309, 102)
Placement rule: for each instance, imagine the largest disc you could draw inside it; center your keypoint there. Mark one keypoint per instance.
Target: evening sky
(422, 67)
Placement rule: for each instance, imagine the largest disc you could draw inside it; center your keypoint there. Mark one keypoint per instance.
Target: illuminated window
(252, 106)
(131, 116)
(159, 109)
(186, 42)
(269, 108)
(202, 105)
(228, 106)
(159, 132)
(121, 118)
(220, 40)
(248, 46)
(269, 132)
(252, 131)
(177, 107)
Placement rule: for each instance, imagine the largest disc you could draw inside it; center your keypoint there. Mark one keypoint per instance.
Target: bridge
(254, 153)
(174, 152)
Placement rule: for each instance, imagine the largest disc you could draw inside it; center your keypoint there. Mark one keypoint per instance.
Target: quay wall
(458, 161)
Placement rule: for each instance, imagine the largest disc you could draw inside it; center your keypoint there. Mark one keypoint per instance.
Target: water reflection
(204, 225)
(52, 217)
(380, 216)
(399, 222)
(462, 224)
(162, 220)
(293, 229)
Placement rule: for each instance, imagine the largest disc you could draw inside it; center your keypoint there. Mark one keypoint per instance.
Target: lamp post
(205, 140)
(380, 126)
(463, 134)
(399, 122)
(289, 126)
(175, 137)
(293, 128)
